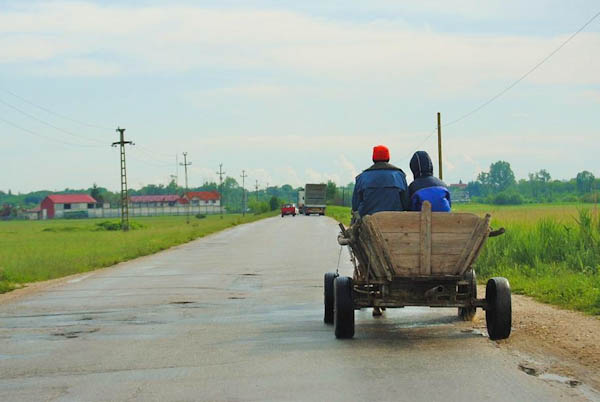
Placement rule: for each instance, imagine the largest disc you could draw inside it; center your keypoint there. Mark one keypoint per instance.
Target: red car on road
(288, 209)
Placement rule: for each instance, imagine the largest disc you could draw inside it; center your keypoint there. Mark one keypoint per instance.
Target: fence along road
(238, 316)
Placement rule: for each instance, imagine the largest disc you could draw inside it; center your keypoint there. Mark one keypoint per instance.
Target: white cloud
(181, 38)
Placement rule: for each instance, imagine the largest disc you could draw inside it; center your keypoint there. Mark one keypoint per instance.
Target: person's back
(382, 187)
(426, 187)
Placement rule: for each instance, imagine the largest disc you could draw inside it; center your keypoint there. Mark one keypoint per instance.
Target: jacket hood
(421, 165)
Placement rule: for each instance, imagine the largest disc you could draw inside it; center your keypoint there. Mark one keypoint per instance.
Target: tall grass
(41, 250)
(555, 262)
(550, 252)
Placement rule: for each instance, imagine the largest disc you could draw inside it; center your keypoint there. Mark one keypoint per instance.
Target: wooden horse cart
(416, 259)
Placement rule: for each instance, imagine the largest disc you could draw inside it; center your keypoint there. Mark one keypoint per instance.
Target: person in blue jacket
(382, 187)
(426, 187)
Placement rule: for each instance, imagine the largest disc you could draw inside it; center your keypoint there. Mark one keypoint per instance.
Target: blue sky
(292, 92)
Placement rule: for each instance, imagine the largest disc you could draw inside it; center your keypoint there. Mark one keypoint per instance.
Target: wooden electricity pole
(243, 176)
(221, 173)
(256, 188)
(185, 164)
(124, 197)
(439, 121)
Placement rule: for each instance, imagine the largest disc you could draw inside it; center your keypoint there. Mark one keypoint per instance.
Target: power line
(47, 123)
(54, 113)
(46, 137)
(522, 77)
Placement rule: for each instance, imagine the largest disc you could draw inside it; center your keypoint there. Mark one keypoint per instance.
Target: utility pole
(185, 164)
(439, 119)
(176, 170)
(256, 188)
(221, 173)
(243, 176)
(124, 198)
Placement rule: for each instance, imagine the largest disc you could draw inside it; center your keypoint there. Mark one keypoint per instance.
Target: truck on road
(314, 199)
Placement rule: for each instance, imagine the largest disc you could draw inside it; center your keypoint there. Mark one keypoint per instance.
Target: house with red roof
(212, 198)
(66, 205)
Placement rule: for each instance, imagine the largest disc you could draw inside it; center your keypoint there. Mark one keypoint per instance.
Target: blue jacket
(426, 187)
(382, 187)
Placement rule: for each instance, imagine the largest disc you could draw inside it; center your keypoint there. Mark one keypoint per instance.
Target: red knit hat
(381, 153)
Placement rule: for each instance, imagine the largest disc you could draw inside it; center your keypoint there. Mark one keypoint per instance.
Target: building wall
(48, 206)
(60, 209)
(180, 210)
(49, 211)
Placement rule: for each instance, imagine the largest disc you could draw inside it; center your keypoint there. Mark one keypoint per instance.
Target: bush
(590, 197)
(259, 207)
(507, 198)
(200, 216)
(116, 225)
(275, 203)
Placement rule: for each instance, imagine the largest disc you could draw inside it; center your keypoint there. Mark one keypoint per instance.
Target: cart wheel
(468, 313)
(498, 314)
(328, 296)
(343, 316)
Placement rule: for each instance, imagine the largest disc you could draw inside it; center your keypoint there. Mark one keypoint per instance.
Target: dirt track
(238, 316)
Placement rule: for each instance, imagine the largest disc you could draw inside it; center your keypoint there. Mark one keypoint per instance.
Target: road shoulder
(551, 340)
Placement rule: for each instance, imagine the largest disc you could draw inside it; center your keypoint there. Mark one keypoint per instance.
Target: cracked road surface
(238, 316)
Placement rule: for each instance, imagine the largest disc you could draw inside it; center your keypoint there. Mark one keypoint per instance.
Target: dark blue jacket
(382, 187)
(426, 187)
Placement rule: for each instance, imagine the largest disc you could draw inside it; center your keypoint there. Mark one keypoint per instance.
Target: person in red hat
(382, 187)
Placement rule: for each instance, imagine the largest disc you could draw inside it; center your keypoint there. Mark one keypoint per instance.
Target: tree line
(499, 186)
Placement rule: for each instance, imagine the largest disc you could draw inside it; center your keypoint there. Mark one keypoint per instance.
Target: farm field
(40, 250)
(549, 251)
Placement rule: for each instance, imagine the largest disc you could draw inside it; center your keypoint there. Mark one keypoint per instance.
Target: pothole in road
(182, 302)
(236, 297)
(76, 333)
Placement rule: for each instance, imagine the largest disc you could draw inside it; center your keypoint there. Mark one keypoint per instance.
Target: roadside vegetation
(549, 251)
(40, 250)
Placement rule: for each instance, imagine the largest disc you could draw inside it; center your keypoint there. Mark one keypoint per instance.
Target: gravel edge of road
(551, 340)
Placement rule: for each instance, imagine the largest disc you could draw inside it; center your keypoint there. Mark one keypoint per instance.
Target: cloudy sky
(291, 91)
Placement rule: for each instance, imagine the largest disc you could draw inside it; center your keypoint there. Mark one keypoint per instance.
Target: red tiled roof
(71, 198)
(154, 198)
(204, 195)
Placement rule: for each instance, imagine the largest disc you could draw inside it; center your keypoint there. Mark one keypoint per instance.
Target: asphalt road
(238, 316)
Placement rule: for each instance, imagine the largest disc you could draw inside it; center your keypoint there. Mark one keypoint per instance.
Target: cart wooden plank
(425, 238)
(408, 244)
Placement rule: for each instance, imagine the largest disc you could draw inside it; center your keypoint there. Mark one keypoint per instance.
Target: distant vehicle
(288, 209)
(314, 199)
(301, 201)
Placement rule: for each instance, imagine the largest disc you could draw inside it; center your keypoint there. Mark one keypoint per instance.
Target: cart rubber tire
(328, 296)
(343, 315)
(468, 313)
(498, 314)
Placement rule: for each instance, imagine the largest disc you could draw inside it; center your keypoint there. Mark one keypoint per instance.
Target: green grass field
(549, 251)
(39, 250)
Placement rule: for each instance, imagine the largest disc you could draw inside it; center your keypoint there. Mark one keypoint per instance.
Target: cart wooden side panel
(410, 244)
